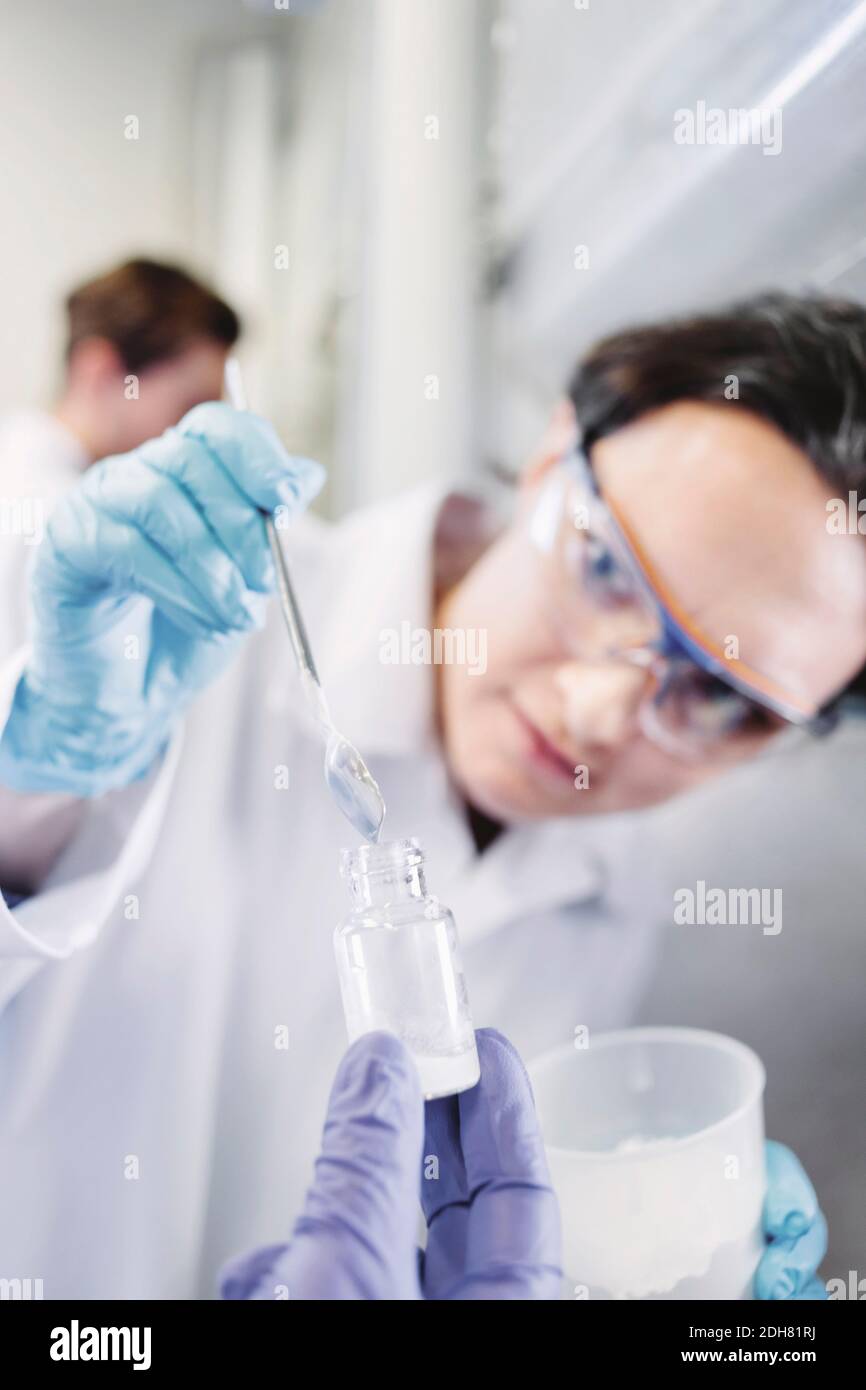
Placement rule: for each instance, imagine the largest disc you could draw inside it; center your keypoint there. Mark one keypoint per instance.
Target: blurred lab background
(394, 193)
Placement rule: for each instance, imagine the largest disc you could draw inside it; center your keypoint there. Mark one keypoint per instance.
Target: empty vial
(399, 964)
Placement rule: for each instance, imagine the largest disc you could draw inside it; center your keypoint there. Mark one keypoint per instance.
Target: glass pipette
(346, 774)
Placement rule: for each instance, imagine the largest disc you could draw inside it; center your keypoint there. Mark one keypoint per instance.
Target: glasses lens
(600, 600)
(605, 608)
(696, 715)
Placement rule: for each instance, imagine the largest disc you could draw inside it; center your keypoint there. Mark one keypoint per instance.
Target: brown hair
(799, 361)
(150, 311)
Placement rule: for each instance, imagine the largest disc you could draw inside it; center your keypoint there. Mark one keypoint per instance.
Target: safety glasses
(702, 701)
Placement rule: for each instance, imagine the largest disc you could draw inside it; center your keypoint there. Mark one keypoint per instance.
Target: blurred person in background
(145, 342)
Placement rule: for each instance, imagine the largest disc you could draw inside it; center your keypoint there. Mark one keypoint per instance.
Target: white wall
(258, 127)
(416, 353)
(585, 155)
(76, 193)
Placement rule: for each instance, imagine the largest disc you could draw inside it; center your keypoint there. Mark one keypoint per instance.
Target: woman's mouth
(542, 752)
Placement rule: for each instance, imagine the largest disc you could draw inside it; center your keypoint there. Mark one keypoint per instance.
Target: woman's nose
(601, 702)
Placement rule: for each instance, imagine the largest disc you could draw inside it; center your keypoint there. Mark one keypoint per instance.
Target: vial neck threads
(377, 875)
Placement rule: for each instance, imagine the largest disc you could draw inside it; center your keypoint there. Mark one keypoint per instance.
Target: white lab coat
(151, 1121)
(39, 459)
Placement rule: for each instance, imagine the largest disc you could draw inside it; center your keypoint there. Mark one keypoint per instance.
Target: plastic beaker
(655, 1139)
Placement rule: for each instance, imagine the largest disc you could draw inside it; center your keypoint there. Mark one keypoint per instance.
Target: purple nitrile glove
(492, 1216)
(493, 1226)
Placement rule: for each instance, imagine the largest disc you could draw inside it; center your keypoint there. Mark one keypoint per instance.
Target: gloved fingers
(444, 1196)
(787, 1266)
(251, 1276)
(535, 1282)
(356, 1236)
(499, 1132)
(514, 1238)
(250, 451)
(237, 524)
(791, 1204)
(130, 530)
(814, 1292)
(123, 564)
(443, 1177)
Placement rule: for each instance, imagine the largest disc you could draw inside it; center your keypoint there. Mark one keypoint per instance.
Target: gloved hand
(493, 1221)
(795, 1229)
(152, 570)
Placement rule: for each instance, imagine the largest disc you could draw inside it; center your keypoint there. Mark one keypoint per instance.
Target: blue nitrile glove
(795, 1230)
(492, 1216)
(151, 571)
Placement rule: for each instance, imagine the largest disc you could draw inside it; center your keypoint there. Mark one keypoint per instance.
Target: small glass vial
(399, 964)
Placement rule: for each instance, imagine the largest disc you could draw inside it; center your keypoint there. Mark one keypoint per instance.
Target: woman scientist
(171, 1023)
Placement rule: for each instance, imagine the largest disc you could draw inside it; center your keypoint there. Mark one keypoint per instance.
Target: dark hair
(151, 312)
(799, 361)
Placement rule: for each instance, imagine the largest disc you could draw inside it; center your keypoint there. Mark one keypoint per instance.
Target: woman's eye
(602, 574)
(717, 709)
